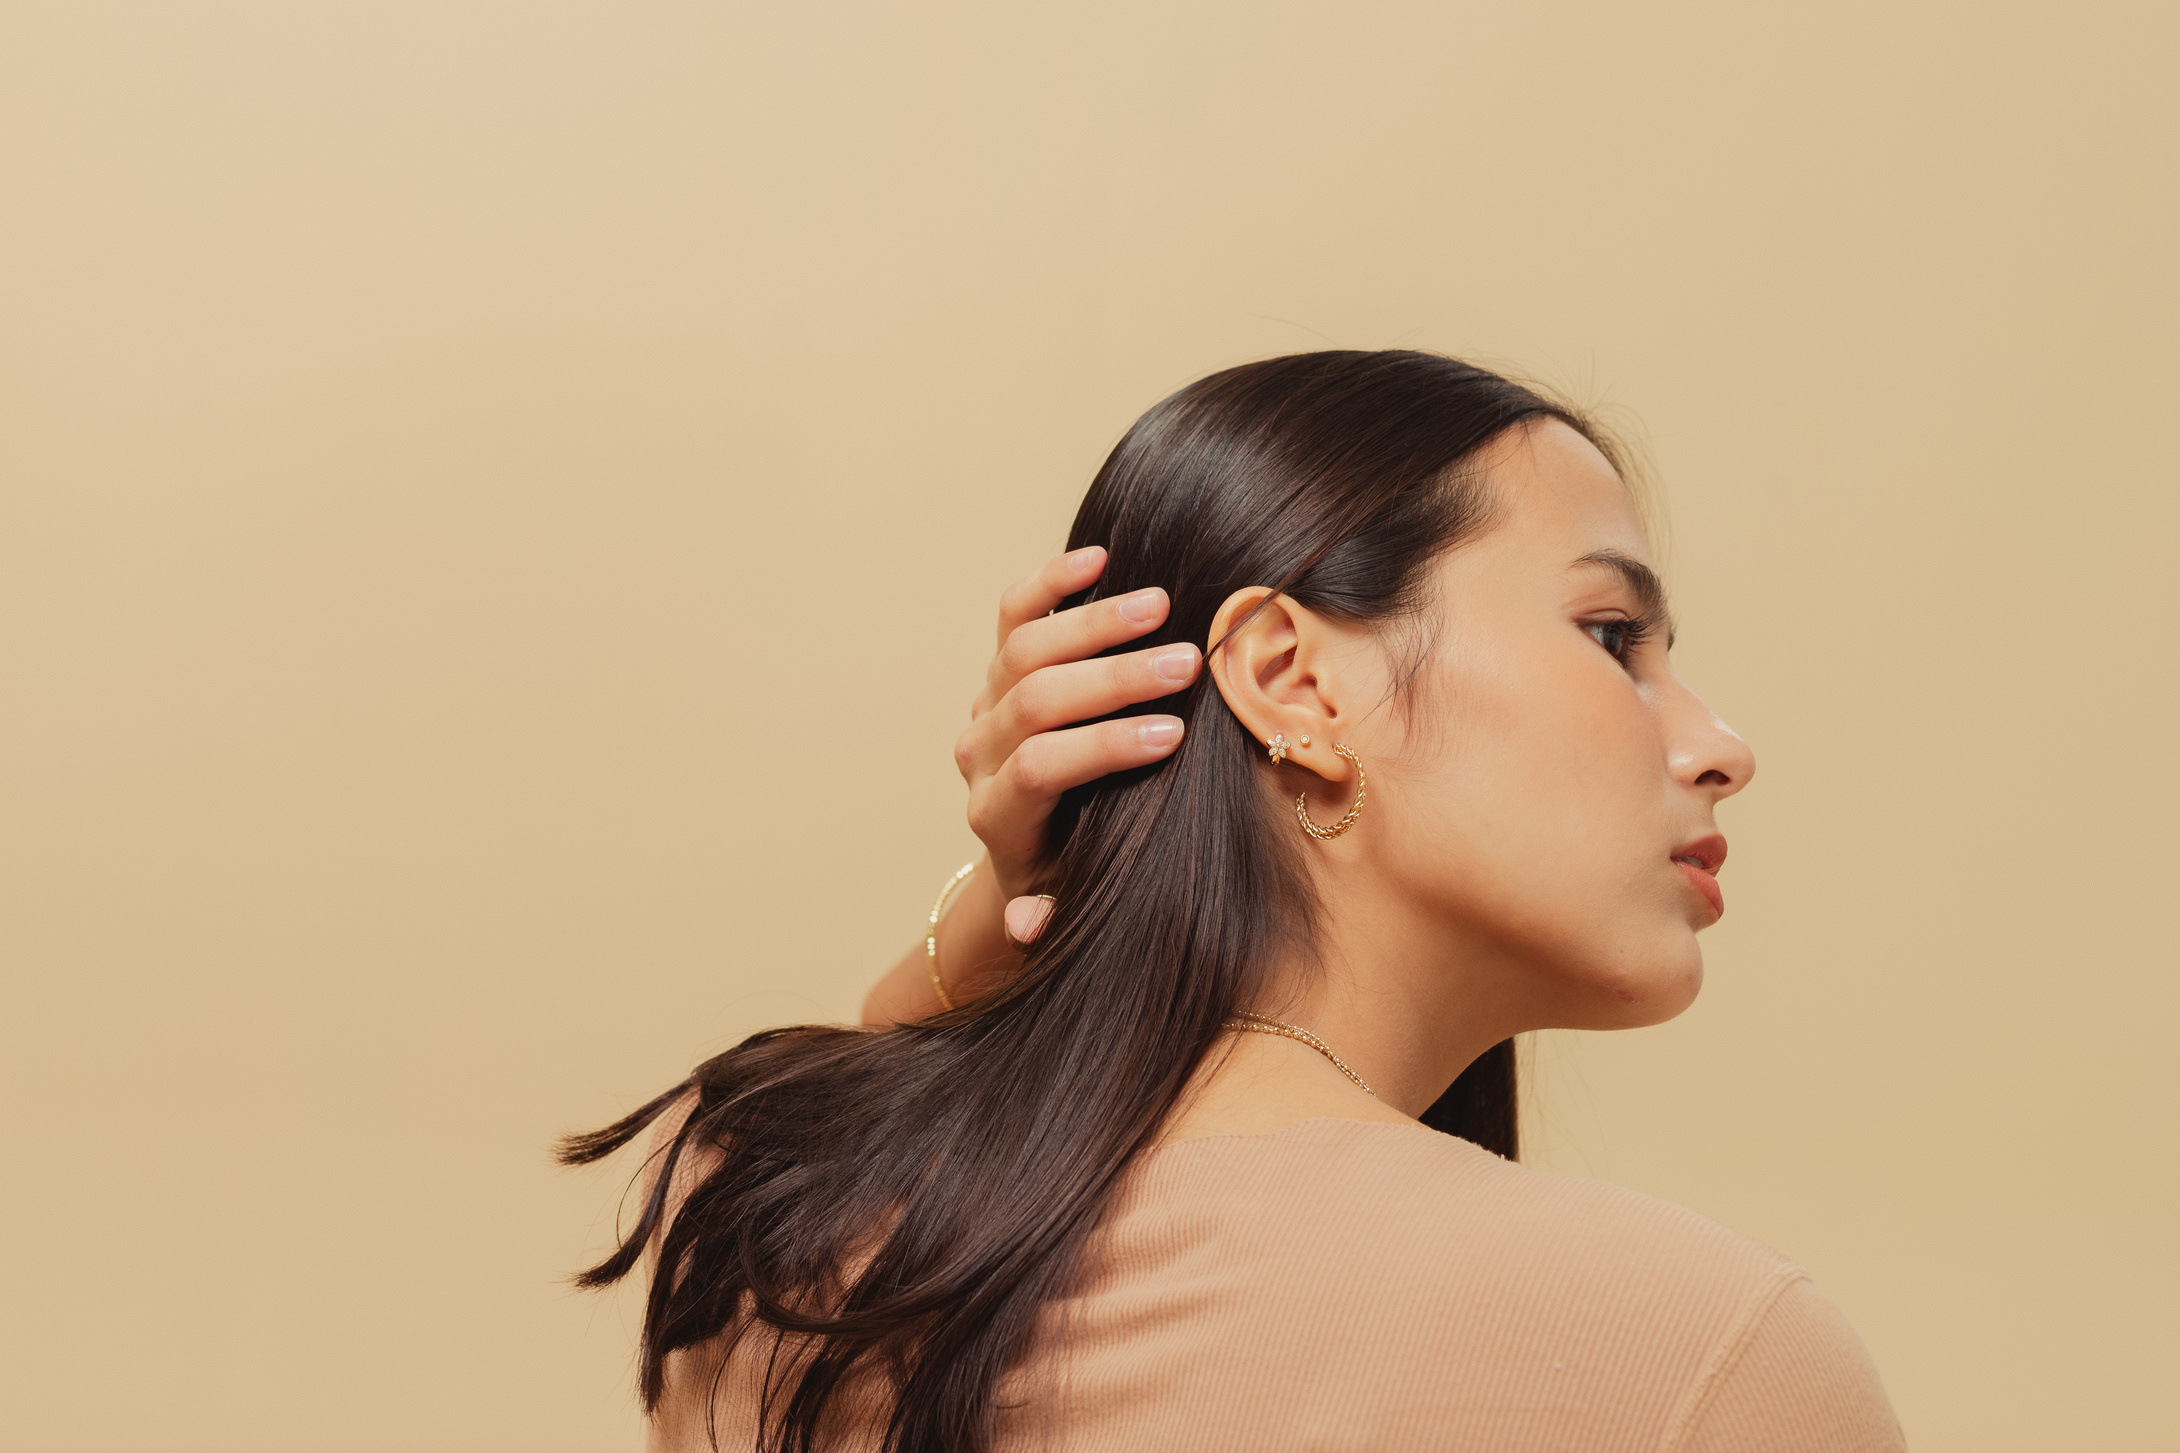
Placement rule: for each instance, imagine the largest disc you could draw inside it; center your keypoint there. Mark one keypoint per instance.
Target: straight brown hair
(893, 1208)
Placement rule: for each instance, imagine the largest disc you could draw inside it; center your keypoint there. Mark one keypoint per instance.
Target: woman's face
(1548, 796)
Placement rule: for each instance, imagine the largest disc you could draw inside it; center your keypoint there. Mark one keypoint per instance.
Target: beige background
(504, 504)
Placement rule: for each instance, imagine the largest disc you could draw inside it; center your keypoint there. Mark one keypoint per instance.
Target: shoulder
(1437, 1203)
(1404, 1289)
(1792, 1376)
(1463, 1286)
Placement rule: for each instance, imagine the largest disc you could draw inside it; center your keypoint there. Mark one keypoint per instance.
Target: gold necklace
(1258, 1024)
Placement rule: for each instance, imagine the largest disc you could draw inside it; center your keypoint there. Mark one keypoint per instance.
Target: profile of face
(1540, 833)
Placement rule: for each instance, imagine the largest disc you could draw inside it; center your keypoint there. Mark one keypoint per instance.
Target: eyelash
(1634, 630)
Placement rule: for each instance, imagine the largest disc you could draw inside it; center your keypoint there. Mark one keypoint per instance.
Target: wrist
(974, 953)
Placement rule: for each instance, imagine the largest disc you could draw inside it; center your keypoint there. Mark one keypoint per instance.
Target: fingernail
(1084, 558)
(1163, 732)
(1026, 918)
(1141, 606)
(1175, 663)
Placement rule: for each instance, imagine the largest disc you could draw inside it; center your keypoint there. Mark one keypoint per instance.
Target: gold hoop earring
(1354, 810)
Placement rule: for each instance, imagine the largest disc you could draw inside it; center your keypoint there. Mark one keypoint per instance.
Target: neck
(1405, 998)
(1405, 1002)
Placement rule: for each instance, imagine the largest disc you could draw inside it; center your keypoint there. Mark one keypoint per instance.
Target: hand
(1019, 754)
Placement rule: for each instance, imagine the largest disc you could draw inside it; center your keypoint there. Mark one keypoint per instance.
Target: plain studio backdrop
(504, 508)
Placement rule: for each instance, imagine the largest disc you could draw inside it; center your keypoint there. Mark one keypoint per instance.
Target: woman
(1225, 1159)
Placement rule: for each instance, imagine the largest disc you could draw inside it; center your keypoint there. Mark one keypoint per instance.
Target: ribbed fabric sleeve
(1800, 1382)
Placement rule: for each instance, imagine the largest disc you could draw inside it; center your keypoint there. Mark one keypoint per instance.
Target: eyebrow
(1649, 591)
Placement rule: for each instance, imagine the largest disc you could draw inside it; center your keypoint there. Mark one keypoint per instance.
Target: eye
(1620, 637)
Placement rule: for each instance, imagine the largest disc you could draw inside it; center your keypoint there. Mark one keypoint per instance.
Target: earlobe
(1318, 830)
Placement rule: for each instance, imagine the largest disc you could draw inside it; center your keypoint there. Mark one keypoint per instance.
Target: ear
(1278, 676)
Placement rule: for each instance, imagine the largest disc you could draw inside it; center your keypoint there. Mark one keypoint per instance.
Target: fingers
(1083, 690)
(1008, 808)
(1076, 691)
(1072, 635)
(1026, 918)
(1020, 752)
(1052, 582)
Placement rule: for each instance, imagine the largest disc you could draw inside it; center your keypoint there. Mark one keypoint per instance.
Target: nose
(1704, 753)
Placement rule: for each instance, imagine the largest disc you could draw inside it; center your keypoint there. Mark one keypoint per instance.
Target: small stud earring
(1305, 739)
(1277, 741)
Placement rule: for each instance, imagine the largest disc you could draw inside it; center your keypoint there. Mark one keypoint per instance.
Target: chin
(1657, 989)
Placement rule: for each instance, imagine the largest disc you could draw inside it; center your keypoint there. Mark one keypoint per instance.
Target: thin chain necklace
(1258, 1024)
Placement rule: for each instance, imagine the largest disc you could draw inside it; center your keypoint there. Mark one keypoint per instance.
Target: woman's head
(1541, 780)
(1443, 571)
(1394, 551)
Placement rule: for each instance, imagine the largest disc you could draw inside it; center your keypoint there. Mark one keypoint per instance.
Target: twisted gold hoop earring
(1354, 810)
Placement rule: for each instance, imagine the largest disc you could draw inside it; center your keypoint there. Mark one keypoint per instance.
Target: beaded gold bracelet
(931, 937)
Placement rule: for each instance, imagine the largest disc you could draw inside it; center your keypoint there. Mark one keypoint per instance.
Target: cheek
(1548, 762)
(1539, 818)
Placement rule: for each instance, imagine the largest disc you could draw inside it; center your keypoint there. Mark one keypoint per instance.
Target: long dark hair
(899, 1204)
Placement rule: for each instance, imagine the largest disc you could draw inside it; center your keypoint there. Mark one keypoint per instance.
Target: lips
(1699, 863)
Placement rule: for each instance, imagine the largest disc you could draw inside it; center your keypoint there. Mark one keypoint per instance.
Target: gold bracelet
(931, 939)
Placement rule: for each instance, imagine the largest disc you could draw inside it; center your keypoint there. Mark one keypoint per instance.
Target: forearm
(975, 957)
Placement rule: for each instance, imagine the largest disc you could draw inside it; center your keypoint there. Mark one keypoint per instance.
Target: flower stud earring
(1277, 741)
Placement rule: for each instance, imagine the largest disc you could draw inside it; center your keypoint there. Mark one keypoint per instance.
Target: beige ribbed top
(1347, 1285)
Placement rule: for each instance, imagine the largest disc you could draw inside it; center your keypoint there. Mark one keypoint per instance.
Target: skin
(1515, 864)
(1019, 755)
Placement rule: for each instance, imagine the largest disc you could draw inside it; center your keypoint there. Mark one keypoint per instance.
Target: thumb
(1026, 918)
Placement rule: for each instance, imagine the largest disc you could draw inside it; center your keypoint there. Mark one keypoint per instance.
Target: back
(1343, 1285)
